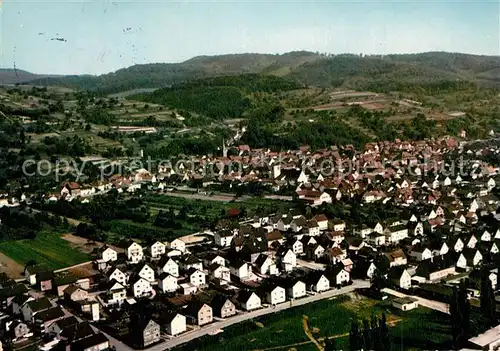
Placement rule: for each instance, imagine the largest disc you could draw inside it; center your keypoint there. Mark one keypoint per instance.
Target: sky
(101, 36)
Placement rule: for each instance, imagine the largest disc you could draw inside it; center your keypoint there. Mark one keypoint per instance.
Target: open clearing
(47, 249)
(85, 245)
(10, 267)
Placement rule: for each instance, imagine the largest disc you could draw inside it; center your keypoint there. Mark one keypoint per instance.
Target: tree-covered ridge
(350, 71)
(218, 97)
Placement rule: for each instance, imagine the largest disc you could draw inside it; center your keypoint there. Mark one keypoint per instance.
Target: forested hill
(391, 72)
(219, 97)
(14, 76)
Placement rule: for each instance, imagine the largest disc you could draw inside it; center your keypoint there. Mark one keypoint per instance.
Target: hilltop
(13, 76)
(391, 72)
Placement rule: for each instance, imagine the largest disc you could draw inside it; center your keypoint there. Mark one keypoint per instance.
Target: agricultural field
(47, 249)
(412, 330)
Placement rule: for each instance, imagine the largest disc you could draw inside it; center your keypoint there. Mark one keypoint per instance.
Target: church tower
(224, 148)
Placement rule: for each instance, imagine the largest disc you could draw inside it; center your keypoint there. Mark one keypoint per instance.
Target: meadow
(411, 330)
(47, 249)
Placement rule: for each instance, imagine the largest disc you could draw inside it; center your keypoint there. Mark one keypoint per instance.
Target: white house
(108, 254)
(177, 244)
(157, 249)
(296, 289)
(240, 269)
(170, 266)
(221, 272)
(249, 300)
(119, 276)
(167, 282)
(276, 295)
(265, 265)
(297, 247)
(196, 277)
(420, 253)
(339, 276)
(318, 282)
(287, 258)
(146, 272)
(176, 324)
(116, 293)
(135, 253)
(322, 221)
(141, 287)
(223, 238)
(400, 277)
(395, 234)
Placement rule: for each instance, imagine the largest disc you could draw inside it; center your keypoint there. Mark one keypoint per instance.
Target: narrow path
(305, 325)
(392, 323)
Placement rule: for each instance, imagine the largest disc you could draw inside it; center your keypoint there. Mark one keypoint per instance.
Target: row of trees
(466, 322)
(371, 335)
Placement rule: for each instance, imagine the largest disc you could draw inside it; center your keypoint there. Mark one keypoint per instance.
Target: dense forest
(218, 97)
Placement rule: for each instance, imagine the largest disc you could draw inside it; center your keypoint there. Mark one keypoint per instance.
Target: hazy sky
(106, 35)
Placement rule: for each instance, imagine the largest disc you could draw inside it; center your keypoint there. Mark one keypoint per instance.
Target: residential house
(157, 249)
(420, 252)
(314, 252)
(175, 324)
(317, 282)
(108, 254)
(188, 262)
(199, 313)
(322, 221)
(118, 275)
(222, 306)
(145, 332)
(295, 288)
(167, 282)
(168, 265)
(297, 247)
(140, 287)
(286, 258)
(177, 244)
(400, 277)
(338, 225)
(196, 277)
(239, 268)
(31, 308)
(135, 253)
(265, 265)
(248, 300)
(223, 238)
(338, 275)
(275, 294)
(145, 271)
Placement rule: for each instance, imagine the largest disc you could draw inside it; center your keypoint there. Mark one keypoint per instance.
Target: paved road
(432, 304)
(196, 333)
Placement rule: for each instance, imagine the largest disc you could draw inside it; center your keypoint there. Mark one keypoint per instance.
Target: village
(160, 295)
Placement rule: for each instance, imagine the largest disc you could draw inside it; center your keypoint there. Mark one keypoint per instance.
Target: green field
(413, 330)
(47, 249)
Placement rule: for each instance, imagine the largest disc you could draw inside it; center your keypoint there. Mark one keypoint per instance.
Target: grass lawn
(47, 249)
(414, 330)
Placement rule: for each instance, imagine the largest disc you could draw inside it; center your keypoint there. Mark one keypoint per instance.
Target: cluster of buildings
(41, 313)
(240, 270)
